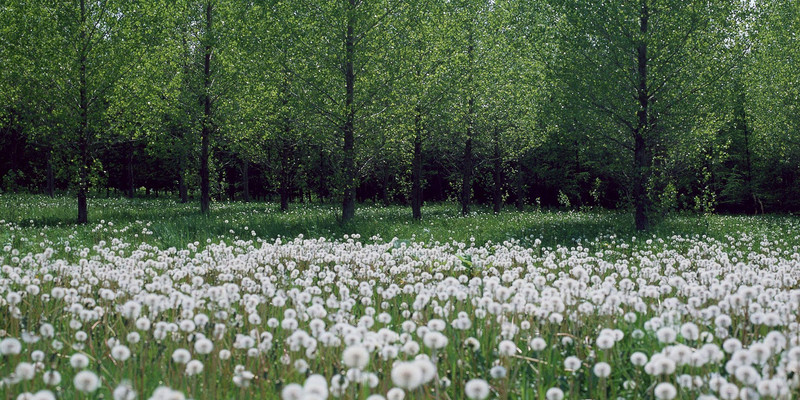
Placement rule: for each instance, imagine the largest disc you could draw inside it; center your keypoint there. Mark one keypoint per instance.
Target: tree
(346, 48)
(644, 66)
(78, 54)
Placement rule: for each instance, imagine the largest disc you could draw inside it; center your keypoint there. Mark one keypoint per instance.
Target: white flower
(426, 367)
(554, 394)
(406, 375)
(435, 340)
(10, 347)
(51, 378)
(292, 391)
(497, 372)
(79, 361)
(666, 335)
(602, 370)
(395, 394)
(605, 342)
(44, 395)
(356, 357)
(203, 346)
(25, 371)
(120, 353)
(507, 348)
(638, 359)
(572, 363)
(665, 391)
(194, 367)
(86, 381)
(476, 389)
(165, 393)
(316, 385)
(538, 344)
(124, 392)
(181, 356)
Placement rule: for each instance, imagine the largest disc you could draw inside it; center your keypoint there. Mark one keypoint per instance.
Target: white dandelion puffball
(86, 381)
(10, 347)
(665, 391)
(602, 369)
(120, 353)
(356, 357)
(507, 348)
(79, 361)
(181, 356)
(572, 363)
(406, 375)
(477, 389)
(554, 394)
(203, 346)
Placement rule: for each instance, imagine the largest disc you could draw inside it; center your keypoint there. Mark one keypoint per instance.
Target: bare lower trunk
(349, 199)
(131, 187)
(183, 190)
(245, 181)
(205, 186)
(466, 177)
(83, 127)
(642, 158)
(51, 180)
(385, 184)
(416, 171)
(497, 192)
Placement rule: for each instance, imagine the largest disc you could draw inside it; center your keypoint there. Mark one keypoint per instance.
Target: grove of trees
(645, 105)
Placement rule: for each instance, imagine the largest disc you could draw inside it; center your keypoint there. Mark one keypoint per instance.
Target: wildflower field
(151, 301)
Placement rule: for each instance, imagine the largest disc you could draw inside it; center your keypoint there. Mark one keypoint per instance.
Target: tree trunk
(497, 192)
(245, 181)
(416, 169)
(349, 200)
(466, 166)
(520, 188)
(466, 175)
(205, 188)
(182, 187)
(131, 188)
(286, 179)
(83, 124)
(642, 158)
(385, 184)
(51, 180)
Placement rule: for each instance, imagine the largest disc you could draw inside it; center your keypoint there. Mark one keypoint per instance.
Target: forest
(650, 106)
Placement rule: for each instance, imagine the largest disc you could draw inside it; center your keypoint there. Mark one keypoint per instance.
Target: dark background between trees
(647, 105)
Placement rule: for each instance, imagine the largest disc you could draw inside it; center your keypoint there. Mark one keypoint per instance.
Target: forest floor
(167, 223)
(153, 301)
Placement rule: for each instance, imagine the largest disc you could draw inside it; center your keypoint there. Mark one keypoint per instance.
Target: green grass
(167, 223)
(123, 253)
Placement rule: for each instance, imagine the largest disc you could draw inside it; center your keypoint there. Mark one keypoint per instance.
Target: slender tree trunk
(205, 187)
(183, 190)
(385, 184)
(466, 166)
(751, 196)
(83, 124)
(642, 158)
(131, 187)
(466, 175)
(245, 181)
(497, 192)
(286, 172)
(349, 200)
(51, 180)
(519, 182)
(416, 169)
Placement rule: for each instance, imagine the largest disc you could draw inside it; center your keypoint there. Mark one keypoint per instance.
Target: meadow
(151, 300)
